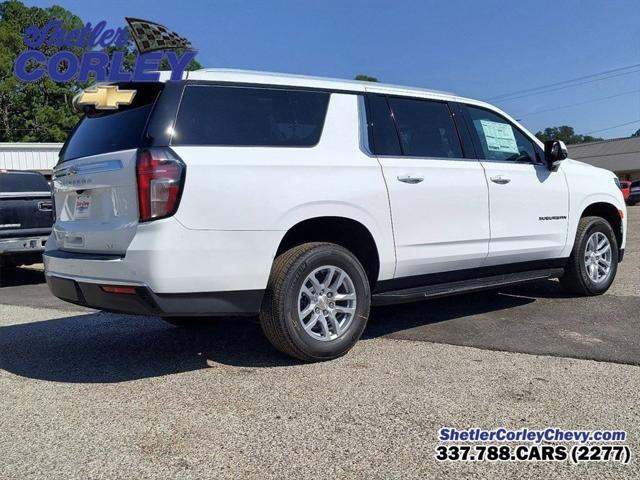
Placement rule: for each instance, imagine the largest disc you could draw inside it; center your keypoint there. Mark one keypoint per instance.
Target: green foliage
(365, 78)
(32, 112)
(566, 134)
(39, 111)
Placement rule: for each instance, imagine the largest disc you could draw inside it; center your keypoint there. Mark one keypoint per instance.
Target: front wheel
(317, 302)
(593, 262)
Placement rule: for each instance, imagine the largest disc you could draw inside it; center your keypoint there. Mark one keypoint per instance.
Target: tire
(577, 278)
(291, 292)
(190, 322)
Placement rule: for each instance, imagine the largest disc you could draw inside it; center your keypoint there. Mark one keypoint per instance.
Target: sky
(480, 49)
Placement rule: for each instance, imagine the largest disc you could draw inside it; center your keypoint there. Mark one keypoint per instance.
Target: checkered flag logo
(150, 36)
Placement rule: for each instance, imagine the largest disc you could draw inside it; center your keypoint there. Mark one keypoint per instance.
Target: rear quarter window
(247, 116)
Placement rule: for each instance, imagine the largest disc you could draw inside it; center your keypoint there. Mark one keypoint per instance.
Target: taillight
(160, 175)
(118, 289)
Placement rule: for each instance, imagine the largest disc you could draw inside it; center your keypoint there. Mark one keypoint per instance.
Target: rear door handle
(500, 179)
(410, 179)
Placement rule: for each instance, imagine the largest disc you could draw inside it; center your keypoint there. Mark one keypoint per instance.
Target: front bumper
(147, 302)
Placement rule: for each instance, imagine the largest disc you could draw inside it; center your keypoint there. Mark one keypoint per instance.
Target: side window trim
(365, 135)
(476, 141)
(370, 125)
(395, 125)
(462, 127)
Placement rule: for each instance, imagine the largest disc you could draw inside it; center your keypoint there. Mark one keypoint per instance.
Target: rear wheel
(594, 260)
(317, 302)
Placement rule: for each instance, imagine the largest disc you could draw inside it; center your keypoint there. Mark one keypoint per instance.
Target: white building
(41, 157)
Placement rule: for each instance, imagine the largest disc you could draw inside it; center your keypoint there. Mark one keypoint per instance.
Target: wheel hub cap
(326, 303)
(597, 257)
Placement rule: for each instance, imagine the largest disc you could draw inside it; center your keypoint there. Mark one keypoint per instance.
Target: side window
(245, 116)
(426, 128)
(498, 139)
(383, 131)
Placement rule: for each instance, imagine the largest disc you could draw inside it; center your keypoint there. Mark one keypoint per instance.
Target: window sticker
(499, 136)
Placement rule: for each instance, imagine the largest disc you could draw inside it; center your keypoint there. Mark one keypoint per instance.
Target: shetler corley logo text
(154, 42)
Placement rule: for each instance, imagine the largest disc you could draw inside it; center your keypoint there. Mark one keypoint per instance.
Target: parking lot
(85, 394)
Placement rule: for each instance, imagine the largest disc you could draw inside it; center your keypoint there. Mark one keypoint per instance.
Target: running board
(464, 286)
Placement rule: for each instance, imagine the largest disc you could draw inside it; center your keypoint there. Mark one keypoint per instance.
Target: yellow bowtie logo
(105, 97)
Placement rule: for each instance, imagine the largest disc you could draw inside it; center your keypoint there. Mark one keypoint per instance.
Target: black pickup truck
(26, 217)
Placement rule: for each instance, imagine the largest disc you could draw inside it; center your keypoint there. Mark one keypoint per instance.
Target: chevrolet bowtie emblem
(105, 97)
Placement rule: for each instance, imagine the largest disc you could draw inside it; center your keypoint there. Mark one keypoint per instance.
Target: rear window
(18, 182)
(247, 116)
(109, 131)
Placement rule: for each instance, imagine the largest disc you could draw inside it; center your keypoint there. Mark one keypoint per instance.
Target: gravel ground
(372, 414)
(95, 395)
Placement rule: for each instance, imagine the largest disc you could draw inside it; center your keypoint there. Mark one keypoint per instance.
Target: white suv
(306, 200)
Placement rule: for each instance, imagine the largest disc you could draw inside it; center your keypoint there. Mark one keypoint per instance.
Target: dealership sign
(154, 43)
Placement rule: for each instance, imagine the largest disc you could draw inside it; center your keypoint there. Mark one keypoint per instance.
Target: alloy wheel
(326, 303)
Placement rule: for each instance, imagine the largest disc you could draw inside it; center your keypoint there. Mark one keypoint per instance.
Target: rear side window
(110, 131)
(247, 116)
(17, 182)
(426, 128)
(499, 139)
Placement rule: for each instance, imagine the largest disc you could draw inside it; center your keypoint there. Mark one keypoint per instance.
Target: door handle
(410, 179)
(500, 179)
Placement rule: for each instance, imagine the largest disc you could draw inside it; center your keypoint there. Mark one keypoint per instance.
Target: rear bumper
(147, 302)
(22, 244)
(169, 259)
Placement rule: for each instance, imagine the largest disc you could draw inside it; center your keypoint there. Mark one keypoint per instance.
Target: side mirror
(554, 151)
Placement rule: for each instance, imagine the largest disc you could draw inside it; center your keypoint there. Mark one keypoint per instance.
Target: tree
(566, 134)
(40, 111)
(365, 78)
